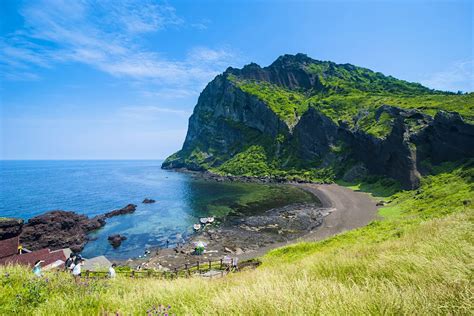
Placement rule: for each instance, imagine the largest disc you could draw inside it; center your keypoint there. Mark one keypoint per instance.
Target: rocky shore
(64, 229)
(210, 176)
(237, 236)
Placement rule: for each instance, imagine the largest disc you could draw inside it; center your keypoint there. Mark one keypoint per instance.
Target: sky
(119, 79)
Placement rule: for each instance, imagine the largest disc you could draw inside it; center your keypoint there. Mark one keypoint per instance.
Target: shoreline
(342, 209)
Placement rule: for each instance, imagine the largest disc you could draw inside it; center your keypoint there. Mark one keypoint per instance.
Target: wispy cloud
(106, 36)
(460, 76)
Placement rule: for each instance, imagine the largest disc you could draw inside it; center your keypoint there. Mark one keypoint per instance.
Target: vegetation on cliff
(320, 121)
(414, 261)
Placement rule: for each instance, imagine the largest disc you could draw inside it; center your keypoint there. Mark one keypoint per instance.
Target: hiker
(37, 268)
(20, 249)
(76, 272)
(112, 272)
(69, 262)
(235, 262)
(227, 262)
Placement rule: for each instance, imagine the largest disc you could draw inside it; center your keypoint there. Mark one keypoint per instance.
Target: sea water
(29, 188)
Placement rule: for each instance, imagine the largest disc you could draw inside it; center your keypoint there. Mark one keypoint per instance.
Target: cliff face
(305, 114)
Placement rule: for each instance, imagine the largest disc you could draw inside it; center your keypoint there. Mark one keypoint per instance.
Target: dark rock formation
(148, 201)
(116, 240)
(130, 208)
(227, 120)
(64, 229)
(10, 227)
(58, 229)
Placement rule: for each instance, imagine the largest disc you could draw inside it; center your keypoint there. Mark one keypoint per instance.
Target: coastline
(244, 235)
(342, 209)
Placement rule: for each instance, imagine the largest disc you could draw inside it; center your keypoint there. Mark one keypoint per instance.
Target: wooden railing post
(221, 264)
(133, 274)
(187, 270)
(210, 265)
(199, 271)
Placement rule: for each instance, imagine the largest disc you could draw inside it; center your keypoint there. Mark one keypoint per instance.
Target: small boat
(197, 226)
(203, 220)
(210, 220)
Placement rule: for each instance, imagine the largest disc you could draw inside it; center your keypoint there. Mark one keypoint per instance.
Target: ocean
(29, 188)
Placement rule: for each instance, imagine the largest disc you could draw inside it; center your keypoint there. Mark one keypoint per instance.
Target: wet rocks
(148, 201)
(130, 208)
(116, 240)
(64, 229)
(237, 236)
(59, 229)
(10, 227)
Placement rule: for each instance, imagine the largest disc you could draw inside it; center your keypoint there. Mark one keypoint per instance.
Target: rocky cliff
(304, 118)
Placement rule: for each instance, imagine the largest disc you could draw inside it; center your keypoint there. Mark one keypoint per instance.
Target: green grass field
(418, 259)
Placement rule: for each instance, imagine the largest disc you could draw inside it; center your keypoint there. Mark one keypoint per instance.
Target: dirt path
(350, 210)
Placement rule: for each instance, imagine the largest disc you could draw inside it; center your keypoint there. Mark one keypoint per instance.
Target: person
(20, 249)
(76, 272)
(227, 262)
(112, 272)
(37, 268)
(69, 262)
(78, 259)
(235, 262)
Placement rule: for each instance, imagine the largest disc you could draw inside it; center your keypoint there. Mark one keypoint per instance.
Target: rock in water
(130, 208)
(58, 229)
(64, 229)
(148, 201)
(116, 240)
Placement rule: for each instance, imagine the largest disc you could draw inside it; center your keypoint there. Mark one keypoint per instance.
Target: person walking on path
(69, 262)
(112, 272)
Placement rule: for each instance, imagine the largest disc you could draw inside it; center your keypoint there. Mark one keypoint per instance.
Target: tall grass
(412, 263)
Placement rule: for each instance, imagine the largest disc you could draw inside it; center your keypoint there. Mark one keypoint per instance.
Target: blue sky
(119, 79)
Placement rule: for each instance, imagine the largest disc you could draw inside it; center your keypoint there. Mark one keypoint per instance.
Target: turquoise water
(29, 188)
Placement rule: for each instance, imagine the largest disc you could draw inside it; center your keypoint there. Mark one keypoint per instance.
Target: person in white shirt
(112, 272)
(76, 271)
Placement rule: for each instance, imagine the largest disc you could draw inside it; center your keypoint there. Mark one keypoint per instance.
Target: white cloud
(106, 36)
(459, 77)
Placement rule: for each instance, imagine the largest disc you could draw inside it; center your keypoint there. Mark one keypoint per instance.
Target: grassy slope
(290, 105)
(416, 261)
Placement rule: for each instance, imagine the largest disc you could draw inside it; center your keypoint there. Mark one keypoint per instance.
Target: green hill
(320, 121)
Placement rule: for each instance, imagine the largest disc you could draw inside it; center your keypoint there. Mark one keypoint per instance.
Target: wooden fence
(187, 270)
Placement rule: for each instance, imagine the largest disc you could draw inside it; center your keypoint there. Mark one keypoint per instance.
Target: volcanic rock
(386, 140)
(58, 229)
(130, 208)
(10, 227)
(64, 229)
(116, 240)
(148, 201)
